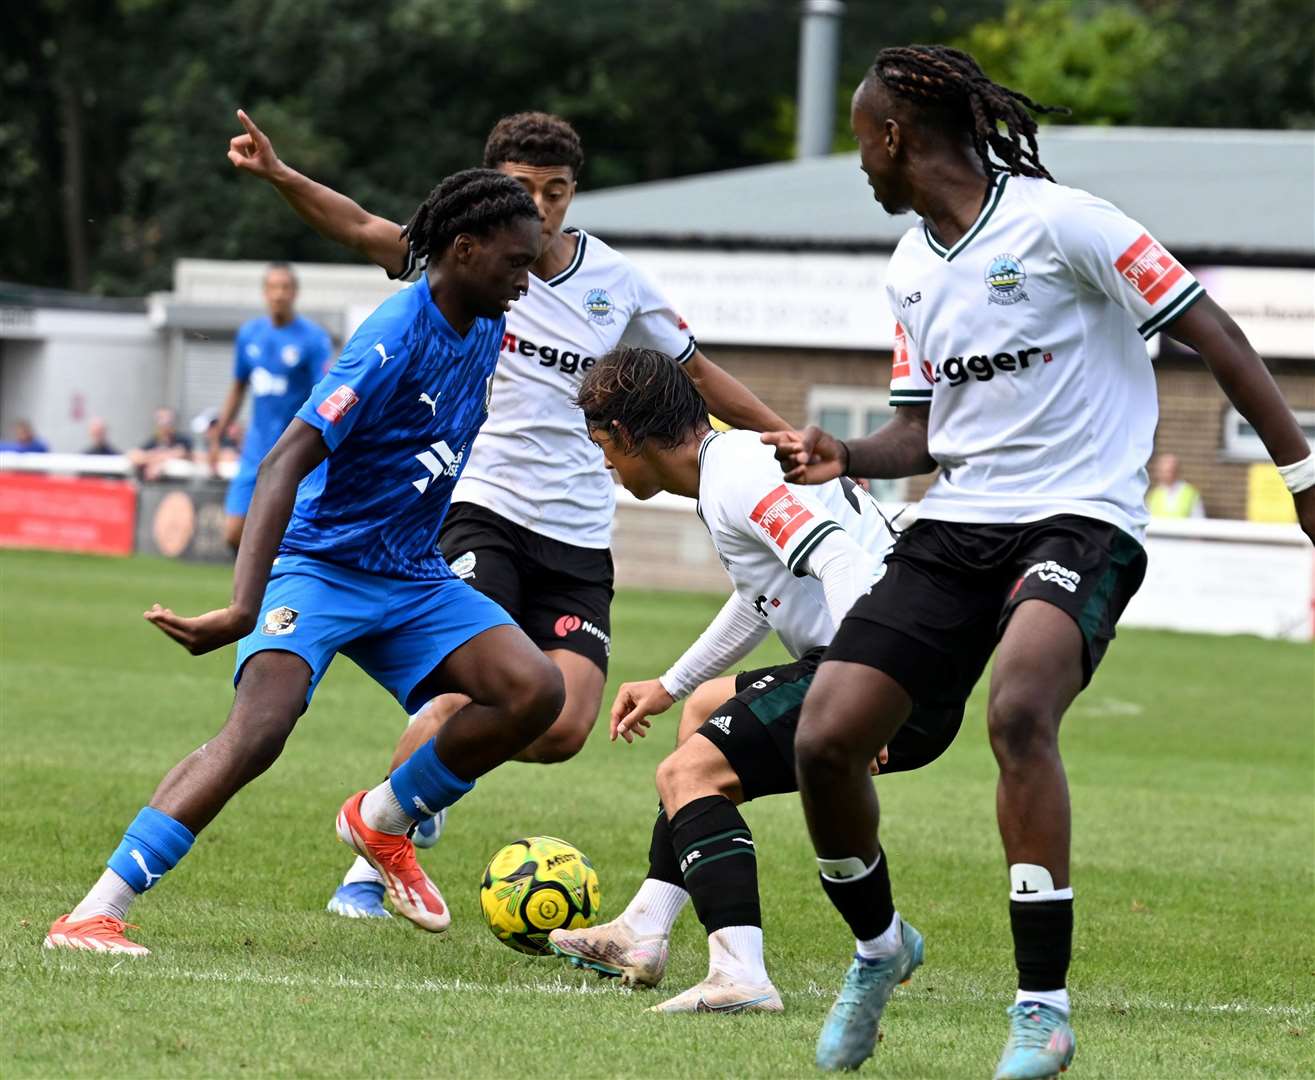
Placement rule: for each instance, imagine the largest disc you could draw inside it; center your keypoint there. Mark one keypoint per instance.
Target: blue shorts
(397, 631)
(240, 489)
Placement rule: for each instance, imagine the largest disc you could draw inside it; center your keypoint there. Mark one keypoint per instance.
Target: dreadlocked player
(1021, 370)
(351, 499)
(531, 518)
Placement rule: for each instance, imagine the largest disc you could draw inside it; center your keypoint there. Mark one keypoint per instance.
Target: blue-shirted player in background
(278, 357)
(369, 461)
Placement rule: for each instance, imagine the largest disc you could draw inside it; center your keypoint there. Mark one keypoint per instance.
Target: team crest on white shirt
(1005, 276)
(599, 307)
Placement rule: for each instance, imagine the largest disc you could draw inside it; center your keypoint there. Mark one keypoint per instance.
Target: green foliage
(1099, 60)
(1189, 758)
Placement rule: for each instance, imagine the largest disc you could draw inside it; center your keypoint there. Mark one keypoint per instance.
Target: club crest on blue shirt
(281, 620)
(291, 355)
(1004, 277)
(599, 307)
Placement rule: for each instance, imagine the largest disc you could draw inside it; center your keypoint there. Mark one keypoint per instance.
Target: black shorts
(755, 729)
(932, 622)
(559, 594)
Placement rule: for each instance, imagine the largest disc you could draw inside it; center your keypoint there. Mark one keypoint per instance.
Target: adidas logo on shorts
(722, 724)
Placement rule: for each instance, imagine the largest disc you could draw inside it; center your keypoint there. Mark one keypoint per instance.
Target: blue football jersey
(398, 412)
(279, 365)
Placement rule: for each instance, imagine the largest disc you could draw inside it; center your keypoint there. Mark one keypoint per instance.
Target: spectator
(212, 445)
(1171, 496)
(99, 434)
(166, 444)
(25, 440)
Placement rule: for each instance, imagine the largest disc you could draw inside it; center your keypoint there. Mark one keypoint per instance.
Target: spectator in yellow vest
(1171, 496)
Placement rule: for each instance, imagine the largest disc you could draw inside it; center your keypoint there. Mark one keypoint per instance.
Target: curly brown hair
(534, 138)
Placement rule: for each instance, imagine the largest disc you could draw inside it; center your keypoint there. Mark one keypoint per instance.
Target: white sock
(362, 871)
(887, 943)
(737, 951)
(382, 812)
(655, 908)
(1056, 999)
(111, 895)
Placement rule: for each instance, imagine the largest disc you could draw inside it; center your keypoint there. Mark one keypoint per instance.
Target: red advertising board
(67, 513)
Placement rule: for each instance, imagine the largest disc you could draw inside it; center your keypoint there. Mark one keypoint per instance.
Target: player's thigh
(583, 682)
(1038, 671)
(446, 637)
(696, 768)
(754, 730)
(703, 702)
(310, 610)
(851, 712)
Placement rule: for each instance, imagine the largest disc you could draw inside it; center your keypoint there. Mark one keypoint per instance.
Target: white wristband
(1300, 475)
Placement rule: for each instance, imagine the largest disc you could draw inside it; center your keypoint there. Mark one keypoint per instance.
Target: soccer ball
(533, 886)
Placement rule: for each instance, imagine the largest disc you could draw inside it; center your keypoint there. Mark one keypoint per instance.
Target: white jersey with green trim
(764, 530)
(1028, 340)
(533, 462)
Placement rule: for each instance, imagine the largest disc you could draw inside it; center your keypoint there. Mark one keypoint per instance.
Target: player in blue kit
(350, 500)
(278, 357)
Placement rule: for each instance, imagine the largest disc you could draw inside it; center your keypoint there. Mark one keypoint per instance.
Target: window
(1241, 443)
(850, 411)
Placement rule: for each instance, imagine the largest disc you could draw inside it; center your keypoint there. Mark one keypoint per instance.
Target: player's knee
(562, 741)
(534, 697)
(1021, 728)
(695, 768)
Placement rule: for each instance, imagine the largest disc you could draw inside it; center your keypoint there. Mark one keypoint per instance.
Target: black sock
(662, 862)
(1043, 942)
(719, 862)
(864, 903)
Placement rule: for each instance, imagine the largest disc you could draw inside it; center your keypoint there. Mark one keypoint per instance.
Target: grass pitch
(1190, 761)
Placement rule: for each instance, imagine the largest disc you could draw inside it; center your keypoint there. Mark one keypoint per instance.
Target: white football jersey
(533, 461)
(764, 530)
(1028, 339)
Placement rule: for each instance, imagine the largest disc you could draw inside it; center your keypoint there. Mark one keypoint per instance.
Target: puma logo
(383, 355)
(432, 402)
(136, 857)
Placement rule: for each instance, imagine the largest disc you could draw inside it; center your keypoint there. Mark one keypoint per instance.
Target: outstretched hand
(635, 703)
(810, 456)
(202, 633)
(253, 151)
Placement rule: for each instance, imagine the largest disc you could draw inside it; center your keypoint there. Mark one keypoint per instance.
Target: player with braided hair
(532, 516)
(1021, 370)
(350, 500)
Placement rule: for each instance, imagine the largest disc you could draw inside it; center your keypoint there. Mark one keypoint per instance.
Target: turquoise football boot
(849, 1035)
(1040, 1046)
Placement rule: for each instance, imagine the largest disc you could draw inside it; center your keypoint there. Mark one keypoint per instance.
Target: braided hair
(473, 201)
(951, 82)
(648, 393)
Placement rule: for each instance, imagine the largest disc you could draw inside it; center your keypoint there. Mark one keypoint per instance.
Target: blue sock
(423, 785)
(150, 848)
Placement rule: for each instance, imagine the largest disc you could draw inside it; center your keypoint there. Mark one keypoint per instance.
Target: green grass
(1190, 761)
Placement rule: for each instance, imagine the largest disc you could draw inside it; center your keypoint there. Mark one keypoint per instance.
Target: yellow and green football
(533, 886)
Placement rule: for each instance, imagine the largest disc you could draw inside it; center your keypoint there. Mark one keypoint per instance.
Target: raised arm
(330, 213)
(899, 449)
(300, 449)
(728, 398)
(1243, 377)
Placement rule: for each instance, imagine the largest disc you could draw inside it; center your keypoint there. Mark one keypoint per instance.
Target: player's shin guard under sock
(662, 896)
(150, 848)
(419, 788)
(860, 893)
(1041, 918)
(719, 862)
